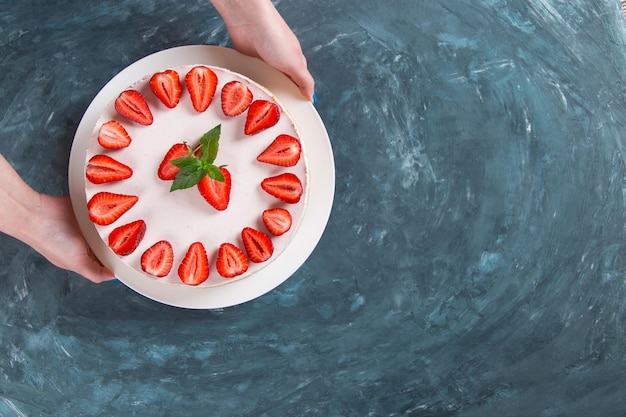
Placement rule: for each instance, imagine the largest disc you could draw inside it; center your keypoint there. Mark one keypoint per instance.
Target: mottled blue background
(474, 262)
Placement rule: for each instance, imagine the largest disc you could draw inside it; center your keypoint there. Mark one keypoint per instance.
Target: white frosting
(183, 217)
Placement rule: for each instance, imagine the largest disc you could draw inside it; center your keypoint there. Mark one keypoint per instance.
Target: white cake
(183, 217)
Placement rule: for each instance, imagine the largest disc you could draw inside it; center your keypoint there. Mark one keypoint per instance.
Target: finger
(301, 76)
(94, 271)
(307, 86)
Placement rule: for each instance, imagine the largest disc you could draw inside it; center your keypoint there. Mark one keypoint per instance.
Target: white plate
(321, 177)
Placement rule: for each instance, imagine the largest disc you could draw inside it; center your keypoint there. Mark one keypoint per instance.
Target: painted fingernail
(314, 98)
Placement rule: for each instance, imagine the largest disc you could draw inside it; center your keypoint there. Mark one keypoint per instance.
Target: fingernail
(314, 98)
(114, 280)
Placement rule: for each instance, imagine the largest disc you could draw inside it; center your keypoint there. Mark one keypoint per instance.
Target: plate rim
(321, 177)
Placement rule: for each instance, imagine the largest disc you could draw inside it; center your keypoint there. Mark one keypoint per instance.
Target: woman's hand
(47, 224)
(60, 241)
(257, 29)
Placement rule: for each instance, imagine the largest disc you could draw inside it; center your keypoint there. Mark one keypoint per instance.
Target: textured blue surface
(474, 263)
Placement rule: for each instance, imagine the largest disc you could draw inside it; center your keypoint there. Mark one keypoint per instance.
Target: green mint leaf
(210, 144)
(187, 163)
(214, 172)
(192, 168)
(186, 179)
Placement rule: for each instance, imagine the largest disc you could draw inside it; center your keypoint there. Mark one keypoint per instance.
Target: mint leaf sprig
(194, 168)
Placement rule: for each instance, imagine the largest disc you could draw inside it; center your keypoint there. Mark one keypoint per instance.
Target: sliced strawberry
(231, 261)
(236, 98)
(277, 220)
(133, 106)
(157, 260)
(125, 239)
(113, 135)
(102, 169)
(215, 192)
(201, 83)
(166, 86)
(258, 245)
(285, 151)
(104, 207)
(286, 187)
(194, 269)
(262, 114)
(168, 171)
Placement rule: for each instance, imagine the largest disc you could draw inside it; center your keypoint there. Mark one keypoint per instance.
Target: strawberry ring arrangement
(196, 175)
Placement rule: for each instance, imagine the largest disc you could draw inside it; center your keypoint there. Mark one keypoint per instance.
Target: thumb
(301, 76)
(306, 84)
(95, 271)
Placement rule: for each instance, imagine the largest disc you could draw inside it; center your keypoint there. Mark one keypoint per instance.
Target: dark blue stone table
(474, 262)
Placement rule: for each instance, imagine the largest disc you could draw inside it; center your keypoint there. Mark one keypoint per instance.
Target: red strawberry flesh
(194, 269)
(286, 187)
(132, 105)
(102, 169)
(258, 245)
(231, 261)
(236, 98)
(201, 83)
(113, 135)
(105, 207)
(157, 260)
(124, 240)
(284, 151)
(262, 114)
(216, 193)
(166, 86)
(168, 171)
(277, 220)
